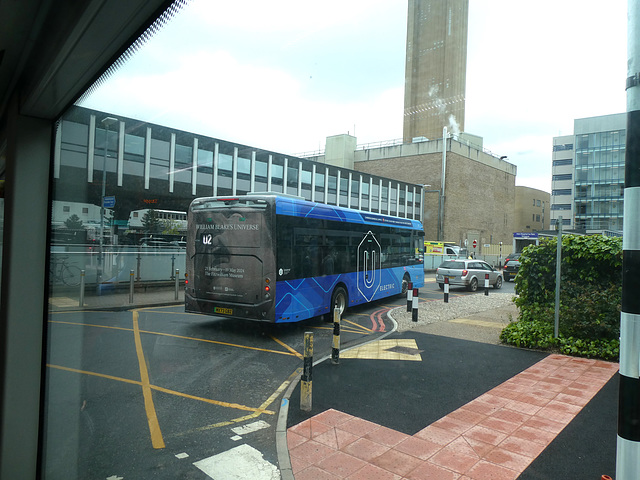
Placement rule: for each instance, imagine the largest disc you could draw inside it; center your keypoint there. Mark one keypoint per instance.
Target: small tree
(73, 222)
(151, 222)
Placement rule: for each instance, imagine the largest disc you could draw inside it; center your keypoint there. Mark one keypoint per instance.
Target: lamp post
(106, 122)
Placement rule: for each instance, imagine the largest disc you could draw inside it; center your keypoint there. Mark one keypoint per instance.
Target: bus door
(368, 266)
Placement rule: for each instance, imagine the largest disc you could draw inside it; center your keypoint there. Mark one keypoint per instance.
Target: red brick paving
(494, 437)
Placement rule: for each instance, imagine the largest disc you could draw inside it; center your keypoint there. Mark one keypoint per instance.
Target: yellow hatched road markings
(219, 403)
(179, 336)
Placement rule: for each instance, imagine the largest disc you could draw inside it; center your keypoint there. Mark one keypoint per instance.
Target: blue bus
(274, 258)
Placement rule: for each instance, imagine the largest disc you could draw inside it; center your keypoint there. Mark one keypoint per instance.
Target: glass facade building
(153, 166)
(588, 180)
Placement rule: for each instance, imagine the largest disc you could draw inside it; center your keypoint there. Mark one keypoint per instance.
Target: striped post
(446, 289)
(486, 284)
(414, 313)
(335, 350)
(628, 445)
(305, 381)
(409, 296)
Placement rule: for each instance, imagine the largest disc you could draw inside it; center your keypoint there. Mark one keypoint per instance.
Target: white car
(468, 273)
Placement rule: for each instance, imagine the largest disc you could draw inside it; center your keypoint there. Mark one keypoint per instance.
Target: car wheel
(498, 283)
(473, 285)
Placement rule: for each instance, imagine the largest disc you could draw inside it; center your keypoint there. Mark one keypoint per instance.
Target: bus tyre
(339, 300)
(405, 284)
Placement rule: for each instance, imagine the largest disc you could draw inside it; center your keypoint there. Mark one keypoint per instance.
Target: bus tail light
(186, 279)
(267, 286)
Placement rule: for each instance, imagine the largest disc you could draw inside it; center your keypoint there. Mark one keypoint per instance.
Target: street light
(106, 122)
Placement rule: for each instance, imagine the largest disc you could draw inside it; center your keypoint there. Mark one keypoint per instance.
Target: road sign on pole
(109, 202)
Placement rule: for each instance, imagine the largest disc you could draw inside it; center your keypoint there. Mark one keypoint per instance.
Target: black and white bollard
(414, 312)
(446, 289)
(628, 444)
(335, 349)
(305, 380)
(409, 296)
(486, 284)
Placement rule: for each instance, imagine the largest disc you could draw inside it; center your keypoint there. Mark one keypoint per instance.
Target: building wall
(436, 65)
(532, 210)
(479, 193)
(562, 180)
(588, 175)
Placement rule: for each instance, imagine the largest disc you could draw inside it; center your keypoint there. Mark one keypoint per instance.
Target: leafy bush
(590, 297)
(538, 335)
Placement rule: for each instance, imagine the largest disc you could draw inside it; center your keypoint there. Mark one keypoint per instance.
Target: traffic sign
(475, 243)
(109, 202)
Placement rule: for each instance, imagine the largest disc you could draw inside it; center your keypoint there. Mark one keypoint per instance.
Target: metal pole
(556, 328)
(306, 379)
(81, 301)
(106, 122)
(177, 282)
(444, 171)
(131, 280)
(628, 445)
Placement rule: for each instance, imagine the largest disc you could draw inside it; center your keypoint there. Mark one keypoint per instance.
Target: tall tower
(436, 68)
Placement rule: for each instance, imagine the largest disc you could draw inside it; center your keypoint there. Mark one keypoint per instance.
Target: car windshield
(452, 265)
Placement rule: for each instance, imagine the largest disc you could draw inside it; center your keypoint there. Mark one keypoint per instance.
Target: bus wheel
(405, 284)
(339, 300)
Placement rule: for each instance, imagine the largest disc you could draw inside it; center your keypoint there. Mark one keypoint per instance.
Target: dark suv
(511, 256)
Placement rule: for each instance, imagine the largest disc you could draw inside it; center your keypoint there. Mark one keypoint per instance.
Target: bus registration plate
(223, 311)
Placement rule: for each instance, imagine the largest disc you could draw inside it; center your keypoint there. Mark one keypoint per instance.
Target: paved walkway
(494, 437)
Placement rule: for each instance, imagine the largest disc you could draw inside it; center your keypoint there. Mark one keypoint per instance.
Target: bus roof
(304, 208)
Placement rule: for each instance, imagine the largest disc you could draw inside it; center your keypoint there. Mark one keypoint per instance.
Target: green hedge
(590, 297)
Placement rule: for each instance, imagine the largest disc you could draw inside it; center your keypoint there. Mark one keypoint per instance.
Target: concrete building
(469, 194)
(436, 66)
(588, 175)
(532, 210)
(152, 166)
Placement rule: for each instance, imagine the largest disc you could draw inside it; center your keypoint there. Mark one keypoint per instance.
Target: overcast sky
(283, 75)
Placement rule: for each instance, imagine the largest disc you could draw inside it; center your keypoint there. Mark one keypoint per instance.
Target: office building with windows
(153, 166)
(588, 175)
(436, 68)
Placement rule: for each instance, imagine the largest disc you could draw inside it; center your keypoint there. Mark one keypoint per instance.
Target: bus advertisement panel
(282, 259)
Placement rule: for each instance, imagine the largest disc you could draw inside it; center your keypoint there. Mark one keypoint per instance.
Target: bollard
(131, 286)
(305, 381)
(335, 350)
(177, 282)
(446, 289)
(486, 284)
(81, 301)
(409, 296)
(414, 313)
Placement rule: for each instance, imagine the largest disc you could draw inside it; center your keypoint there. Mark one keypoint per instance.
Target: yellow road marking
(154, 426)
(281, 343)
(177, 336)
(165, 390)
(264, 405)
(365, 329)
(478, 323)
